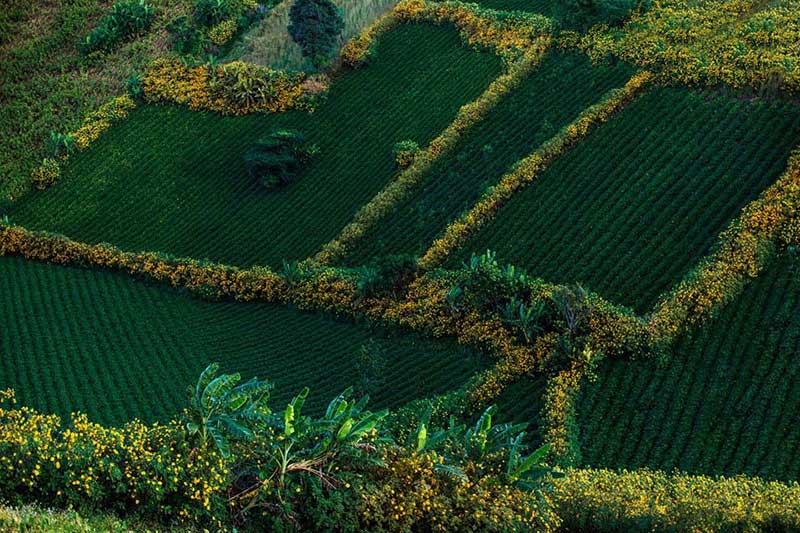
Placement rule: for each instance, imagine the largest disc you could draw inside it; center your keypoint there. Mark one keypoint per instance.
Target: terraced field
(630, 210)
(727, 402)
(551, 97)
(545, 7)
(173, 180)
(75, 339)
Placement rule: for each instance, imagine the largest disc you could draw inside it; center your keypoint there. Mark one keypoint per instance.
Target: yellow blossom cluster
(138, 466)
(99, 121)
(529, 169)
(414, 495)
(559, 415)
(605, 500)
(409, 178)
(742, 252)
(221, 33)
(235, 88)
(509, 36)
(739, 43)
(48, 172)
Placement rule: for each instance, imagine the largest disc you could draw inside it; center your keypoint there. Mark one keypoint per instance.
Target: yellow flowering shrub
(235, 88)
(559, 415)
(529, 169)
(605, 500)
(221, 33)
(142, 469)
(740, 43)
(508, 35)
(414, 497)
(46, 174)
(99, 121)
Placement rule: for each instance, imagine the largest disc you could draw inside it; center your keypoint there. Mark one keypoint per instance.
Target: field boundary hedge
(607, 500)
(743, 250)
(410, 178)
(529, 168)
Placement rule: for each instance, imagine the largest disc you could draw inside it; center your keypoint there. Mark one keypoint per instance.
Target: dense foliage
(316, 25)
(274, 161)
(231, 460)
(127, 19)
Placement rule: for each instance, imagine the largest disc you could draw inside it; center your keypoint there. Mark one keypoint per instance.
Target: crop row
(173, 180)
(636, 204)
(550, 97)
(727, 401)
(115, 348)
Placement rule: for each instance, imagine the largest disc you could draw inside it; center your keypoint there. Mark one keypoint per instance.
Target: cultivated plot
(726, 403)
(173, 180)
(116, 348)
(551, 97)
(630, 210)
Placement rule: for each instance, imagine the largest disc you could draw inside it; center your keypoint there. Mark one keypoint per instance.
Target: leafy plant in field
(405, 152)
(316, 26)
(221, 409)
(276, 159)
(526, 317)
(60, 144)
(481, 448)
(127, 19)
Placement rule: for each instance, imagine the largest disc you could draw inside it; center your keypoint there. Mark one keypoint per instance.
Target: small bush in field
(276, 159)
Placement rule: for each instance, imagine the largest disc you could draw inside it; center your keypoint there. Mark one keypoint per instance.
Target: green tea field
(400, 266)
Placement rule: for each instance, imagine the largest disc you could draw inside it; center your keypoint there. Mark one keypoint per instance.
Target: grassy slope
(727, 403)
(173, 180)
(46, 84)
(551, 97)
(633, 207)
(116, 348)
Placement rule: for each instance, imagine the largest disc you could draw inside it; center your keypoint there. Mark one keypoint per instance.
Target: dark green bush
(127, 19)
(276, 159)
(316, 26)
(187, 39)
(585, 13)
(210, 12)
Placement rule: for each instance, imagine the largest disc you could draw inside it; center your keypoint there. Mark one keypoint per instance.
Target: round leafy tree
(277, 158)
(316, 26)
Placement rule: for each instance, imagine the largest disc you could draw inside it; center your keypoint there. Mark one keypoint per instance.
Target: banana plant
(221, 409)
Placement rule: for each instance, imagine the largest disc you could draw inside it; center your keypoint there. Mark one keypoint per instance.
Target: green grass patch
(173, 180)
(551, 97)
(116, 348)
(633, 207)
(727, 402)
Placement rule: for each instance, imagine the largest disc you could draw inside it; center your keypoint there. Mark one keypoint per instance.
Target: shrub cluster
(708, 44)
(276, 159)
(230, 460)
(213, 24)
(235, 88)
(127, 19)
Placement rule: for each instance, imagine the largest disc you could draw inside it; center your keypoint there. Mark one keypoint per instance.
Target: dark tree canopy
(316, 26)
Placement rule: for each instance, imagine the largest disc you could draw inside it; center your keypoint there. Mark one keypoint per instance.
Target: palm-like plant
(222, 409)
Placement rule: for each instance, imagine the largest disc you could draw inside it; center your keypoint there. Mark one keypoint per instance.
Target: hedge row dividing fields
(726, 403)
(634, 206)
(552, 96)
(116, 348)
(173, 180)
